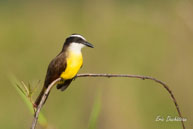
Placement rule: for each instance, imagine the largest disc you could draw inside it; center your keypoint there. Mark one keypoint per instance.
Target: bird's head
(76, 42)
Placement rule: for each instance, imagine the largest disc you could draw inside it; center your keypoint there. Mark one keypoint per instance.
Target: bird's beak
(88, 44)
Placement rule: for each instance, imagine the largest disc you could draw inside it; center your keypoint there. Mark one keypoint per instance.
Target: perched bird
(66, 64)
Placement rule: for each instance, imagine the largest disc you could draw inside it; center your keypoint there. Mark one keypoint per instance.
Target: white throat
(75, 48)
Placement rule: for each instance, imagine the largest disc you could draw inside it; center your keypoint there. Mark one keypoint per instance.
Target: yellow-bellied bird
(66, 64)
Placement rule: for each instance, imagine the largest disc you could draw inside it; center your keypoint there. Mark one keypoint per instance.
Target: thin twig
(106, 75)
(140, 77)
(42, 102)
(25, 87)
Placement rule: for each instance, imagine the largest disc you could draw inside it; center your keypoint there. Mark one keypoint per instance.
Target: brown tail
(37, 102)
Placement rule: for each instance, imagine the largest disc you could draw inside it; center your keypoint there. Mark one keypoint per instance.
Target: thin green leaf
(95, 112)
(17, 85)
(21, 90)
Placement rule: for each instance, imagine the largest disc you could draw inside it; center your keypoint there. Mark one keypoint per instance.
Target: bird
(65, 65)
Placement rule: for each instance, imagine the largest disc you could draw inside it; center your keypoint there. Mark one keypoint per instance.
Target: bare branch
(140, 77)
(106, 75)
(42, 102)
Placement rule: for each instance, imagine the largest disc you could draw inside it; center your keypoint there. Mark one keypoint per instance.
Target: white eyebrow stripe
(78, 36)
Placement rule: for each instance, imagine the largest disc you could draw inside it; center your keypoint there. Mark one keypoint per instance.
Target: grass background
(144, 37)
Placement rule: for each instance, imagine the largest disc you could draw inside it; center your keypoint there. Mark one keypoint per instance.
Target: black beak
(88, 44)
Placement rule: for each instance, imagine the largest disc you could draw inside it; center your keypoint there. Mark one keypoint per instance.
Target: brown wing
(55, 68)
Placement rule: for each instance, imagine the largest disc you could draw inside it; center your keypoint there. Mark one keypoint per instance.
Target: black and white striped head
(76, 42)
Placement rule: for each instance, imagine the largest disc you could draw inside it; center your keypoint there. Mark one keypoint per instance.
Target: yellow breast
(74, 62)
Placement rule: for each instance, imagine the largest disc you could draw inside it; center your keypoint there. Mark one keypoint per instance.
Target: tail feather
(39, 98)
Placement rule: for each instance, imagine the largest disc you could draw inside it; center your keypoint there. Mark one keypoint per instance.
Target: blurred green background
(144, 37)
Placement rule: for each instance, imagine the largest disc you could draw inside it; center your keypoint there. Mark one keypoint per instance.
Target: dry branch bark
(42, 102)
(105, 75)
